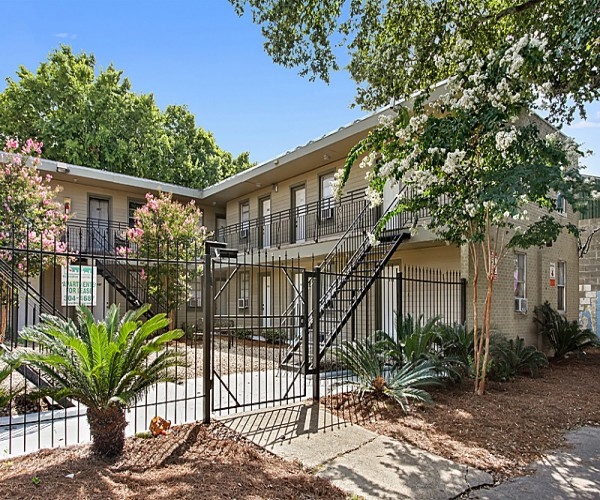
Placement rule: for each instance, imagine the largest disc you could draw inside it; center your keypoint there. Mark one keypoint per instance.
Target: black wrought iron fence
(55, 277)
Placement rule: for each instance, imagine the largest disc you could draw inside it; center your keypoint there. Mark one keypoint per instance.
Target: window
(327, 200)
(561, 280)
(133, 206)
(244, 290)
(520, 282)
(561, 204)
(244, 219)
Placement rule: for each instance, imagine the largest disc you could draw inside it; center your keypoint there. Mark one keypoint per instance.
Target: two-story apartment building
(283, 211)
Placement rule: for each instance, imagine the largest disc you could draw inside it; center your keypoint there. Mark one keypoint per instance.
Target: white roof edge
(116, 178)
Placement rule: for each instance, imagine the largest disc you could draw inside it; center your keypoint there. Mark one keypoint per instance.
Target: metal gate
(255, 309)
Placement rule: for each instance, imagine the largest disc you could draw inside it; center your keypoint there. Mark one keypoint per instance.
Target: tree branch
(515, 9)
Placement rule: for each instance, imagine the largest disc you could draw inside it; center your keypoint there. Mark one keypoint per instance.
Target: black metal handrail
(310, 222)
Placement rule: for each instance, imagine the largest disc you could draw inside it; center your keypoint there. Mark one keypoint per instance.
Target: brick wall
(589, 279)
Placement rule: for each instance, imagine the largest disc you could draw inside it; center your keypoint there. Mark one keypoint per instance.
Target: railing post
(206, 338)
(304, 321)
(463, 302)
(399, 299)
(316, 334)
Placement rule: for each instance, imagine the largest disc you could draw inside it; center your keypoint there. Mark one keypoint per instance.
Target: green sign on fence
(78, 285)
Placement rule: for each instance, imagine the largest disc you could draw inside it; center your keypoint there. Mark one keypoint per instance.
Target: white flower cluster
(420, 180)
(387, 169)
(504, 140)
(373, 241)
(336, 184)
(386, 120)
(416, 123)
(369, 160)
(373, 196)
(453, 161)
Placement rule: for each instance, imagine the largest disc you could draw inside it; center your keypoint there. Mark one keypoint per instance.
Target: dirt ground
(501, 432)
(194, 461)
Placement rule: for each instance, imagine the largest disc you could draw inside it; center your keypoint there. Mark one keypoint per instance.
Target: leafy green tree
(93, 118)
(478, 165)
(106, 365)
(393, 44)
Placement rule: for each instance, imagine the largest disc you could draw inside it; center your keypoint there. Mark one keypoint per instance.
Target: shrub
(372, 362)
(563, 335)
(274, 336)
(512, 357)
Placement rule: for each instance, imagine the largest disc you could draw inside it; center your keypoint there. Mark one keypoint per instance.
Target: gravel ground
(233, 357)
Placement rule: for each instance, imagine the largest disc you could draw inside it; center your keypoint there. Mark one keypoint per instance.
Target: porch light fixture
(226, 253)
(275, 187)
(62, 170)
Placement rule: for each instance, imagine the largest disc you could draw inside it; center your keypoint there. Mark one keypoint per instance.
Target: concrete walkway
(355, 459)
(573, 473)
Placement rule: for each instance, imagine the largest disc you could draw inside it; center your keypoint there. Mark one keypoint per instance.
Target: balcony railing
(311, 222)
(94, 236)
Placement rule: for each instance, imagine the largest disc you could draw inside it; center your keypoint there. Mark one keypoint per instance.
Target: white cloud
(65, 35)
(584, 124)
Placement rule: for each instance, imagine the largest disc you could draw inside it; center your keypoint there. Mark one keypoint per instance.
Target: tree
(106, 365)
(393, 43)
(31, 220)
(168, 241)
(94, 119)
(478, 164)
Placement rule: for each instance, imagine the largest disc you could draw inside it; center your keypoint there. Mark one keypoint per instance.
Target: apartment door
(265, 215)
(389, 302)
(299, 214)
(98, 224)
(266, 300)
(220, 224)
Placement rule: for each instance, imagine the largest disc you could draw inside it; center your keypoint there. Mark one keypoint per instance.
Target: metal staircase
(347, 274)
(9, 275)
(125, 279)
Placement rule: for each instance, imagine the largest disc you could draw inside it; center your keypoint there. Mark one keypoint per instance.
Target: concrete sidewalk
(355, 459)
(573, 473)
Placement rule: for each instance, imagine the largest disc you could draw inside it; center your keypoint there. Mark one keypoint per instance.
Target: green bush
(424, 340)
(563, 335)
(511, 358)
(372, 363)
(274, 336)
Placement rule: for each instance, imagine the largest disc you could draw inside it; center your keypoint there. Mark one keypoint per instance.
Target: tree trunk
(107, 427)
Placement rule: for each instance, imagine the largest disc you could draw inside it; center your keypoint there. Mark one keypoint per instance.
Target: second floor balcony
(313, 222)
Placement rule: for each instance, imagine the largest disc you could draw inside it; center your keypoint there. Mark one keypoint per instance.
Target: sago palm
(106, 365)
(376, 373)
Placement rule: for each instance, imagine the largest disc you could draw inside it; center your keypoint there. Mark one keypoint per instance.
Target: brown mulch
(501, 432)
(193, 461)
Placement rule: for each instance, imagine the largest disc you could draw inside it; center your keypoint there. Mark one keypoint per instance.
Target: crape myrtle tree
(477, 162)
(168, 242)
(31, 220)
(92, 117)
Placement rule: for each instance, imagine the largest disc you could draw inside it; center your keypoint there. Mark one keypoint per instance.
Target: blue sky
(199, 53)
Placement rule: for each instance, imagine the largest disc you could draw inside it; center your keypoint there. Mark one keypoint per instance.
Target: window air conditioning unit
(195, 302)
(520, 305)
(242, 303)
(327, 213)
(243, 234)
